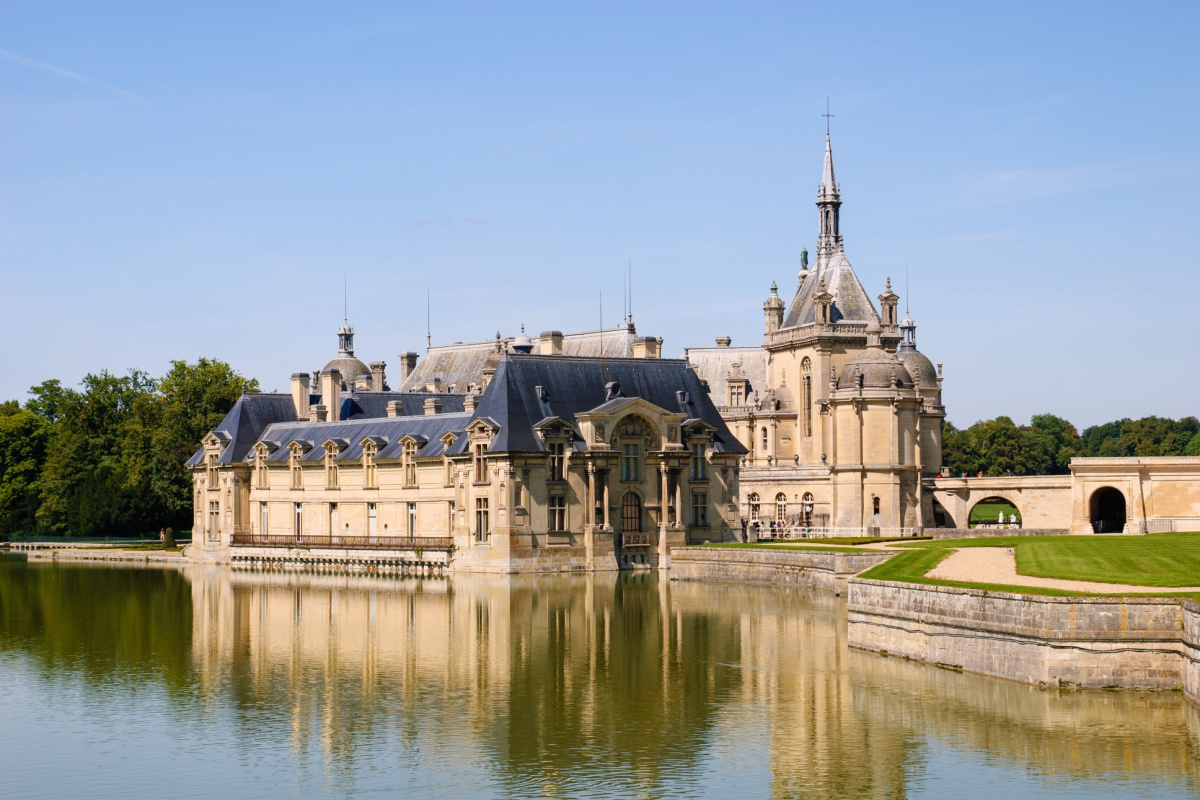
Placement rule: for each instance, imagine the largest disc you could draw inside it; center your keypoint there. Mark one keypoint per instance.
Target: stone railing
(636, 538)
(345, 542)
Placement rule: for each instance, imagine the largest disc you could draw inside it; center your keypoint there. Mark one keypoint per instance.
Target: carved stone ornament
(599, 433)
(636, 426)
(671, 434)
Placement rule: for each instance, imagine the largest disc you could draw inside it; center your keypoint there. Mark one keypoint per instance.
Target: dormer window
(331, 468)
(699, 461)
(558, 460)
(370, 470)
(260, 469)
(409, 457)
(737, 394)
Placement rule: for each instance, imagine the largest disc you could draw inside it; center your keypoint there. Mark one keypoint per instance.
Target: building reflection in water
(554, 684)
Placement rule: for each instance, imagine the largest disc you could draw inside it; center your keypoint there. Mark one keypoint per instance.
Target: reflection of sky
(564, 687)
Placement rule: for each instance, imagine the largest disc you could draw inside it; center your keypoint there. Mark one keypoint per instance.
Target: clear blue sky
(179, 180)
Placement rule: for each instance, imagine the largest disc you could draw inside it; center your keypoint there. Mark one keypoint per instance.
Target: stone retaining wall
(822, 569)
(1095, 642)
(983, 533)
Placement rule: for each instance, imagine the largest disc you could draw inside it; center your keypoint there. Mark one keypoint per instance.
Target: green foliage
(108, 458)
(1148, 436)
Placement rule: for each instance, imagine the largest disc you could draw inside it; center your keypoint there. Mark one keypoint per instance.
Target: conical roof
(850, 299)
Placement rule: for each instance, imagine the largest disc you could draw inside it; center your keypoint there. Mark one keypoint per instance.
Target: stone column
(679, 500)
(663, 496)
(590, 514)
(607, 504)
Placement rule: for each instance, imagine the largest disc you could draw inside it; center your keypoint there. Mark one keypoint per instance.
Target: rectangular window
(298, 520)
(370, 474)
(333, 519)
(481, 519)
(214, 520)
(212, 471)
(699, 511)
(558, 458)
(262, 472)
(331, 473)
(629, 462)
(297, 475)
(481, 475)
(412, 519)
(808, 405)
(699, 463)
(264, 521)
(372, 520)
(735, 395)
(557, 514)
(410, 471)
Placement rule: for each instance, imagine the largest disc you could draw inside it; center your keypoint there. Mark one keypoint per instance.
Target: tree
(996, 446)
(1148, 436)
(1064, 440)
(23, 437)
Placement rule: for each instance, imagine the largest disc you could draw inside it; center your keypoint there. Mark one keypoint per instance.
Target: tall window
(214, 520)
(410, 463)
(629, 462)
(372, 520)
(631, 513)
(781, 508)
(260, 470)
(558, 458)
(331, 469)
(699, 511)
(808, 405)
(754, 506)
(212, 471)
(264, 520)
(766, 441)
(333, 519)
(297, 475)
(481, 475)
(412, 519)
(370, 470)
(297, 520)
(558, 514)
(735, 394)
(699, 462)
(481, 519)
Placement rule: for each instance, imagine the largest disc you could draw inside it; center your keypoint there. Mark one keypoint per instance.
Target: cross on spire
(827, 116)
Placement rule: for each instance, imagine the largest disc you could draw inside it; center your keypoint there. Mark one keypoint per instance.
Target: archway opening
(941, 517)
(1108, 510)
(994, 512)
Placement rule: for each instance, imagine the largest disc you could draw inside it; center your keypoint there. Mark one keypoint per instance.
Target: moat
(204, 682)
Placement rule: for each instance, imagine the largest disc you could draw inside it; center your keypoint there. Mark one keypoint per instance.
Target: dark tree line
(107, 458)
(1048, 443)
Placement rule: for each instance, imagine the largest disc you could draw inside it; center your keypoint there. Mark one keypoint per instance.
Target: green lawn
(1166, 560)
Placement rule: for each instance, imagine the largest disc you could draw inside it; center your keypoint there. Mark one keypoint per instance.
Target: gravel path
(999, 565)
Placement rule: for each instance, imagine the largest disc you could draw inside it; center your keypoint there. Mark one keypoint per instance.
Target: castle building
(840, 414)
(530, 461)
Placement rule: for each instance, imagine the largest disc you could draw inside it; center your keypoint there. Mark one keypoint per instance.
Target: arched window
(631, 513)
(754, 507)
(781, 508)
(806, 508)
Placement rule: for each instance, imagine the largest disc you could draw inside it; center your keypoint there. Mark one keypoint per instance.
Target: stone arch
(987, 511)
(1108, 510)
(781, 509)
(753, 508)
(636, 425)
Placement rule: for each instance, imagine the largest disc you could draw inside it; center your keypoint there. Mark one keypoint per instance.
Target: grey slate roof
(850, 300)
(572, 386)
(715, 365)
(461, 365)
(365, 405)
(245, 422)
(391, 429)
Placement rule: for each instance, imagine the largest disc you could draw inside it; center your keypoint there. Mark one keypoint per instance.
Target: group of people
(772, 528)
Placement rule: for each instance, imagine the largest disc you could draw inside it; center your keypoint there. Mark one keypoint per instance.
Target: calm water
(146, 683)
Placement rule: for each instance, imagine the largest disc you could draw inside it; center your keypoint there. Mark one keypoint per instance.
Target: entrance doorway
(1108, 510)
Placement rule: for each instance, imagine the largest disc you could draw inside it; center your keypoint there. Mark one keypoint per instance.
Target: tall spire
(829, 201)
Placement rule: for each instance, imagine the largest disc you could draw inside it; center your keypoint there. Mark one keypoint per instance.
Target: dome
(522, 344)
(350, 367)
(879, 370)
(919, 367)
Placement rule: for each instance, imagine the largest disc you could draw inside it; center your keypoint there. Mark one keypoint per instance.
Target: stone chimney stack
(470, 403)
(331, 393)
(408, 362)
(378, 377)
(433, 406)
(724, 341)
(317, 413)
(300, 393)
(550, 343)
(647, 347)
(395, 408)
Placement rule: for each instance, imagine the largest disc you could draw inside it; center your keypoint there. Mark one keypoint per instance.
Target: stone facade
(824, 570)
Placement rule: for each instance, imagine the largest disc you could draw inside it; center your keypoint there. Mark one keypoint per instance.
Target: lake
(208, 683)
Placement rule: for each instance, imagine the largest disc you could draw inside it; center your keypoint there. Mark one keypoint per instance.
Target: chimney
(470, 402)
(433, 406)
(331, 393)
(317, 413)
(724, 341)
(434, 385)
(647, 347)
(300, 391)
(408, 362)
(550, 343)
(378, 378)
(395, 408)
